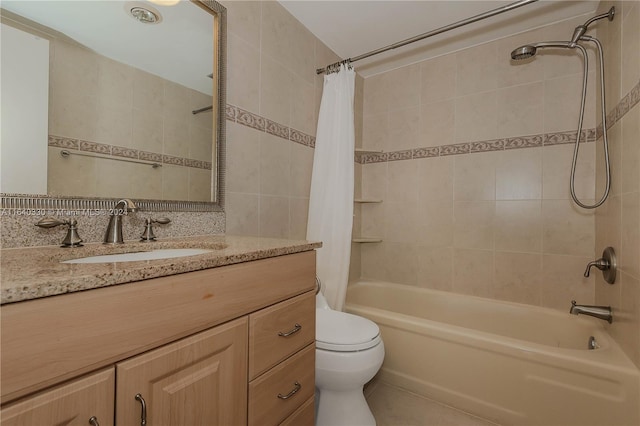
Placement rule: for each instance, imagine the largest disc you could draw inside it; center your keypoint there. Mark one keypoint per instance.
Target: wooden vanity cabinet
(200, 348)
(200, 380)
(84, 401)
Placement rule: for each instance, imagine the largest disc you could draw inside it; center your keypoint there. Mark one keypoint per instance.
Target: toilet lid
(339, 331)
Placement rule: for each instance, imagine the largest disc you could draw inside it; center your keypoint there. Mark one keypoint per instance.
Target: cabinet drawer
(270, 396)
(279, 331)
(303, 416)
(73, 403)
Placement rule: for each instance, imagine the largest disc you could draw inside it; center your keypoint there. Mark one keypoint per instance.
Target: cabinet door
(73, 403)
(199, 380)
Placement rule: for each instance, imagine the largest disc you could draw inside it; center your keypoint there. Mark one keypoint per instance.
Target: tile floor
(392, 406)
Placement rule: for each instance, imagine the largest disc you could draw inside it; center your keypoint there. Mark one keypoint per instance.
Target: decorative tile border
(530, 141)
(257, 122)
(124, 152)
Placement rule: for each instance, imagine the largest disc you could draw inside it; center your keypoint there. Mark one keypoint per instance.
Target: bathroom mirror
(136, 109)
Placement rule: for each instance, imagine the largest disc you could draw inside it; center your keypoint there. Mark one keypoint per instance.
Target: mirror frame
(45, 202)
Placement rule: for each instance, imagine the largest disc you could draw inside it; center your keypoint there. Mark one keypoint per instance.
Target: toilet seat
(342, 332)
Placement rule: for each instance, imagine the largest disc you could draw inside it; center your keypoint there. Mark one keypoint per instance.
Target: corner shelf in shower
(368, 151)
(367, 240)
(366, 201)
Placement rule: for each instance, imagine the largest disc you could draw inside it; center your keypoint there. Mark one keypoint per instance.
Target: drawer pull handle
(296, 388)
(143, 415)
(295, 329)
(93, 421)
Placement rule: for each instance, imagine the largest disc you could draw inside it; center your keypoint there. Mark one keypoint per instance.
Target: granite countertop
(34, 272)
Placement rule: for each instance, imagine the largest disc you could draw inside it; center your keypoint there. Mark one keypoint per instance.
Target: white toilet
(349, 352)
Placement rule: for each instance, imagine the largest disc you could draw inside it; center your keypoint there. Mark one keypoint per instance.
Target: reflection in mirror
(133, 108)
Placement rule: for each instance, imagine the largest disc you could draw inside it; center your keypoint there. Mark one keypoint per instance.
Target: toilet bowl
(349, 352)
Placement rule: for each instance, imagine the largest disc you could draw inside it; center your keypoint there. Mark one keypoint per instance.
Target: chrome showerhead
(523, 52)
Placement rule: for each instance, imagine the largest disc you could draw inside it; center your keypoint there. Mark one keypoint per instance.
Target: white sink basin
(139, 255)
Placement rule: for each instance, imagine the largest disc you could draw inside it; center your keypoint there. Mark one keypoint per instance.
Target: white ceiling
(179, 48)
(351, 28)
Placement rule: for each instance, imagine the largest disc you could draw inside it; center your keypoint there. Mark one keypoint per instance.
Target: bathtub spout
(601, 312)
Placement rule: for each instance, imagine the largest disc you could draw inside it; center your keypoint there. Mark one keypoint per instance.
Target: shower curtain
(331, 200)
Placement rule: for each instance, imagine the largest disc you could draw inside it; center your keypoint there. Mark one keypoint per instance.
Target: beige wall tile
(435, 267)
(243, 84)
(517, 277)
(563, 62)
(175, 135)
(475, 176)
(302, 45)
(146, 182)
(73, 175)
(275, 90)
(298, 213)
(556, 170)
(518, 226)
(376, 92)
(374, 181)
(401, 182)
(74, 117)
(435, 221)
(375, 132)
(199, 184)
(563, 281)
(562, 103)
(175, 182)
(200, 146)
(374, 261)
(474, 224)
(519, 174)
(401, 222)
(243, 159)
(629, 255)
(630, 158)
(476, 69)
(114, 126)
(435, 179)
(303, 106)
(148, 92)
(113, 178)
(438, 79)
(630, 64)
(476, 117)
(147, 134)
(373, 220)
(177, 104)
(402, 84)
(243, 213)
(401, 263)
(115, 83)
(627, 318)
(437, 123)
(520, 110)
(473, 272)
(277, 27)
(301, 168)
(274, 216)
(244, 20)
(275, 165)
(567, 229)
(404, 128)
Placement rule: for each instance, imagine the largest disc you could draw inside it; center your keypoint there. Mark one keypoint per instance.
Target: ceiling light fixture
(165, 2)
(144, 15)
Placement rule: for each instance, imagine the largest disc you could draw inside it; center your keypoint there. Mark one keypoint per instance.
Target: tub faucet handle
(607, 264)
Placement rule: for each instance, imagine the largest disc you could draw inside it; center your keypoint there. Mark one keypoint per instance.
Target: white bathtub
(511, 363)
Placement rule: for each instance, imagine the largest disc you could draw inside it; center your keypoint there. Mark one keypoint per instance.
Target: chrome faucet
(114, 229)
(601, 312)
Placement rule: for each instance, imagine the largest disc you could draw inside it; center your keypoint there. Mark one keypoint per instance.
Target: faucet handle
(72, 239)
(607, 264)
(148, 234)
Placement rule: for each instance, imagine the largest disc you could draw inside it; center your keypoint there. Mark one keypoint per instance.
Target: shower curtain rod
(440, 30)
